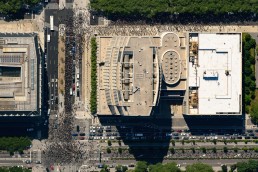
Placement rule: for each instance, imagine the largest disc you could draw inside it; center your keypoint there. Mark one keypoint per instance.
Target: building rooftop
(18, 74)
(216, 72)
(129, 78)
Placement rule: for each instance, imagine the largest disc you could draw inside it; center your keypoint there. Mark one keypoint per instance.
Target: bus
(48, 38)
(51, 23)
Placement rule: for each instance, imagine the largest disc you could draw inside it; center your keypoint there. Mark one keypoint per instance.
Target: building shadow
(147, 138)
(199, 125)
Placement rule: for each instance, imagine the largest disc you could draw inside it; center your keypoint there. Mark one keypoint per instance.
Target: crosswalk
(97, 159)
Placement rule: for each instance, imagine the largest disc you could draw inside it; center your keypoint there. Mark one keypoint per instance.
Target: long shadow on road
(146, 137)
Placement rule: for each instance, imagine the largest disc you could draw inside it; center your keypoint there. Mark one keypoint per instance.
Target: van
(78, 75)
(48, 38)
(71, 92)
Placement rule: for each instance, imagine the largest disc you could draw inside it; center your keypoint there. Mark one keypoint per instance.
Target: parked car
(30, 129)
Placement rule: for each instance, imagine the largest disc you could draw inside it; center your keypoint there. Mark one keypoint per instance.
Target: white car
(30, 129)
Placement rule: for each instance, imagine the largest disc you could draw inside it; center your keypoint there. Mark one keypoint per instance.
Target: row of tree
(150, 9)
(14, 169)
(142, 166)
(250, 165)
(93, 93)
(13, 144)
(249, 85)
(14, 6)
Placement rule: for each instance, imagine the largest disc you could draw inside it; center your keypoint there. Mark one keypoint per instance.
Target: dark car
(81, 138)
(100, 166)
(175, 134)
(249, 131)
(82, 134)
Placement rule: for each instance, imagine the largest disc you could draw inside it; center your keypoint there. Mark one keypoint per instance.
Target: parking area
(98, 132)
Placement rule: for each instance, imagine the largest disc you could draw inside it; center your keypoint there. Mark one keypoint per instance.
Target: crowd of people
(61, 148)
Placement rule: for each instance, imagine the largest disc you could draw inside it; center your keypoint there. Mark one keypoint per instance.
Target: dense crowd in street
(61, 148)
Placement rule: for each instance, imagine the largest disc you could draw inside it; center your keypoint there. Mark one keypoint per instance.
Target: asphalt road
(52, 50)
(52, 56)
(213, 162)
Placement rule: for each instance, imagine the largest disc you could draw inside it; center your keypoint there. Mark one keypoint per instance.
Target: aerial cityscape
(128, 86)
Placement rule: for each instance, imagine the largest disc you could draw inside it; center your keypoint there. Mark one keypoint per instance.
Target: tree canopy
(199, 167)
(13, 6)
(93, 93)
(12, 144)
(169, 167)
(14, 169)
(141, 166)
(120, 168)
(248, 166)
(154, 9)
(248, 54)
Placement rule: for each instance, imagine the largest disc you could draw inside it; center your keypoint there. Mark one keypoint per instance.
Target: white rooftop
(219, 74)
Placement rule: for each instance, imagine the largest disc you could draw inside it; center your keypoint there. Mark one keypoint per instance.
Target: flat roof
(218, 74)
(18, 73)
(129, 79)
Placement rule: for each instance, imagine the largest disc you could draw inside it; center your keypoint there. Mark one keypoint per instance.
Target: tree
(245, 149)
(169, 167)
(199, 167)
(203, 149)
(235, 149)
(121, 168)
(225, 149)
(193, 150)
(254, 111)
(251, 165)
(233, 167)
(93, 93)
(172, 150)
(183, 10)
(214, 150)
(108, 150)
(104, 169)
(120, 150)
(141, 166)
(224, 168)
(173, 142)
(256, 149)
(109, 143)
